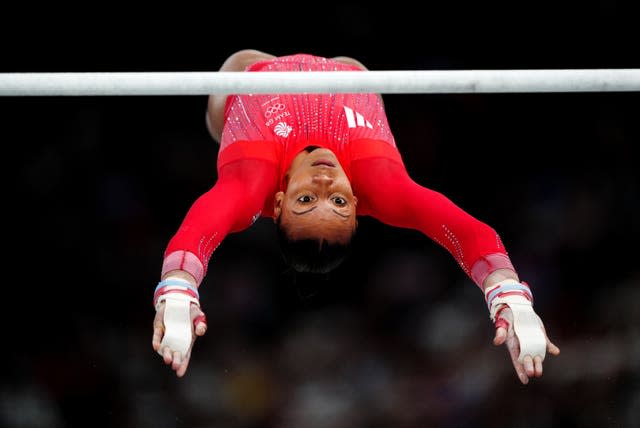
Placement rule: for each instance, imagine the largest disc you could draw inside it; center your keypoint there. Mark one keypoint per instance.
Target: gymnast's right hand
(178, 321)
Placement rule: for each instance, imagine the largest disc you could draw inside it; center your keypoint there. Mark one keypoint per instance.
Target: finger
(183, 367)
(177, 360)
(520, 370)
(199, 320)
(524, 379)
(157, 338)
(537, 365)
(501, 322)
(201, 329)
(504, 325)
(166, 355)
(551, 348)
(527, 362)
(158, 330)
(500, 337)
(514, 350)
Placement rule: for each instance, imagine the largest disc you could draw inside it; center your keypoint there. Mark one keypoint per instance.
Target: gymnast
(313, 163)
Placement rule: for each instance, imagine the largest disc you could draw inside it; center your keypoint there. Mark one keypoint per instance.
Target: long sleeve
(233, 204)
(386, 192)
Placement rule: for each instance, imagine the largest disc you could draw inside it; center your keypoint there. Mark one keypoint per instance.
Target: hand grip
(178, 330)
(528, 328)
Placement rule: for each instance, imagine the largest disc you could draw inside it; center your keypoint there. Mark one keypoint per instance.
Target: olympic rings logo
(270, 111)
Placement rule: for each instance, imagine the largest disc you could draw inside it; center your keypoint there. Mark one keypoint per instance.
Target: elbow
(247, 207)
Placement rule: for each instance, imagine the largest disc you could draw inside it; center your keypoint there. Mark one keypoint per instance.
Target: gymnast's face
(319, 201)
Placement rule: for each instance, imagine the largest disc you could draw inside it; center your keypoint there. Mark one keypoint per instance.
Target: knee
(350, 61)
(239, 60)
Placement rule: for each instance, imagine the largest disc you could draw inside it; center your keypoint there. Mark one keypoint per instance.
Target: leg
(350, 61)
(215, 106)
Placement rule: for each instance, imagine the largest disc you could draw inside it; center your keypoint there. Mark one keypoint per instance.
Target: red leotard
(262, 135)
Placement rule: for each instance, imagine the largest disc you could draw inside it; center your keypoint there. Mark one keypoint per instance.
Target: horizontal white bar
(389, 82)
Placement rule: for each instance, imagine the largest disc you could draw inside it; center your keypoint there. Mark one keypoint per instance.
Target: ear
(277, 205)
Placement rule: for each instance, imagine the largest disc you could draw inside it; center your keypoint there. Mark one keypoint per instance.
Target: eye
(305, 199)
(340, 201)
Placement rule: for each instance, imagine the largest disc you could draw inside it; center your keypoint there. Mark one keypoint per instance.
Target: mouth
(324, 162)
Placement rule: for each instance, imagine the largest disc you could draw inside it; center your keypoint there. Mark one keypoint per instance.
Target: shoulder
(266, 151)
(368, 149)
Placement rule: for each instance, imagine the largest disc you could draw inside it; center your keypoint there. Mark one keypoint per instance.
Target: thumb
(502, 325)
(200, 323)
(500, 337)
(201, 328)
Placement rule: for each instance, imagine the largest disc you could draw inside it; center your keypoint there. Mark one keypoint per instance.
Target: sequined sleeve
(386, 192)
(235, 202)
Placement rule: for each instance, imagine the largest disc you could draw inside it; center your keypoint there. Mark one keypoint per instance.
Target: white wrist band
(526, 323)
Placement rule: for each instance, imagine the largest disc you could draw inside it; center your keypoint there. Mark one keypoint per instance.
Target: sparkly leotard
(264, 132)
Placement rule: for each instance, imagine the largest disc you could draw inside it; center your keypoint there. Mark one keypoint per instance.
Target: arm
(397, 200)
(233, 204)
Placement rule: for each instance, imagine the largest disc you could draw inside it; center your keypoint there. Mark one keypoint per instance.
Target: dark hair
(311, 255)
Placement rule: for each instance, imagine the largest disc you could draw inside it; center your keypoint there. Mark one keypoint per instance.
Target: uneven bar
(385, 82)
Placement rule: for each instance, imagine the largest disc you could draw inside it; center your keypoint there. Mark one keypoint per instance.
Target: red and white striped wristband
(175, 288)
(527, 326)
(508, 291)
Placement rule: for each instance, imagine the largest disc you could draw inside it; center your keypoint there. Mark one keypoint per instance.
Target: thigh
(350, 61)
(353, 61)
(238, 61)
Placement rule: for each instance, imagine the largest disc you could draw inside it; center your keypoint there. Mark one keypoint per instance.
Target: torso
(289, 122)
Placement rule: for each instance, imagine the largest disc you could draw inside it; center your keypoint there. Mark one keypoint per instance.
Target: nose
(322, 179)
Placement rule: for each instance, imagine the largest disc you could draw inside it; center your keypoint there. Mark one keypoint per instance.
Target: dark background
(398, 336)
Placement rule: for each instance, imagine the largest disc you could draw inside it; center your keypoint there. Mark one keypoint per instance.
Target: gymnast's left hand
(528, 366)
